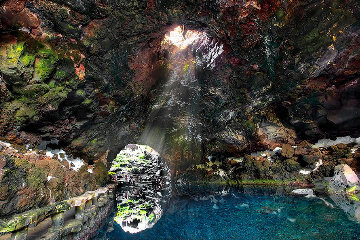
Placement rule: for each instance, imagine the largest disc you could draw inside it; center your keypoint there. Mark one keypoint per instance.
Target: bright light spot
(181, 39)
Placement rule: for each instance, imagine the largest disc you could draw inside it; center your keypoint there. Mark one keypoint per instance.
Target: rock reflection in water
(144, 187)
(344, 188)
(348, 205)
(214, 213)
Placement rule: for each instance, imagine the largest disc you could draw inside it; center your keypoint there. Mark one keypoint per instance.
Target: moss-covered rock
(33, 91)
(100, 173)
(55, 96)
(45, 64)
(27, 59)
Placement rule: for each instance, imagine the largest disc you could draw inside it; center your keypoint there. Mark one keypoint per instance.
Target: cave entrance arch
(143, 183)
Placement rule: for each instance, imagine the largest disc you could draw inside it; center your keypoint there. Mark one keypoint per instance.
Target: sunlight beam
(181, 39)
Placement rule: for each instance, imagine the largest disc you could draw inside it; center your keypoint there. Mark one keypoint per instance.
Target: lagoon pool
(246, 213)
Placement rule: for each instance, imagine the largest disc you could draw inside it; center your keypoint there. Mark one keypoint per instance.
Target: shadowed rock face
(87, 73)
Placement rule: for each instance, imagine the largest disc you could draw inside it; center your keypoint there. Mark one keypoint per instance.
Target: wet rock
(348, 204)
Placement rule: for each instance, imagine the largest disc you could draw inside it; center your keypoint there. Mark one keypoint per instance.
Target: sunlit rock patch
(182, 39)
(144, 180)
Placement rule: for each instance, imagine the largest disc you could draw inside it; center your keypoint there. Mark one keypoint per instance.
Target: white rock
(292, 219)
(349, 175)
(344, 177)
(318, 164)
(305, 172)
(305, 191)
(49, 178)
(5, 144)
(277, 150)
(329, 142)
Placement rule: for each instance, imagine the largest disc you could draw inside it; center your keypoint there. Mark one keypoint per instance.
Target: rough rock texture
(75, 218)
(344, 177)
(76, 71)
(86, 74)
(277, 167)
(30, 180)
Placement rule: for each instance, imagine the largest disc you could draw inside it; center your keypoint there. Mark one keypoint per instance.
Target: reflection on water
(144, 187)
(247, 213)
(349, 206)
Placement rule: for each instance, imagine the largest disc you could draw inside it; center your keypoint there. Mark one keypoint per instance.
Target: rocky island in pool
(179, 119)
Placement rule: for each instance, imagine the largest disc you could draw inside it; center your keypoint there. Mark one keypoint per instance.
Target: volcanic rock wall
(86, 73)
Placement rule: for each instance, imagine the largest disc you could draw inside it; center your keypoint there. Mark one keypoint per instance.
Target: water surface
(247, 213)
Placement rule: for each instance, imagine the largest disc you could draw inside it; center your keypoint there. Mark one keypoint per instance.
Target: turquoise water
(247, 213)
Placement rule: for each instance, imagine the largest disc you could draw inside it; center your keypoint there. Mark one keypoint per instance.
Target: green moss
(19, 221)
(72, 83)
(43, 68)
(87, 101)
(280, 14)
(100, 173)
(313, 35)
(22, 163)
(45, 64)
(34, 91)
(60, 74)
(354, 198)
(51, 84)
(14, 52)
(81, 93)
(135, 209)
(55, 96)
(112, 107)
(152, 217)
(25, 113)
(70, 27)
(27, 59)
(36, 178)
(133, 162)
(249, 125)
(79, 141)
(186, 68)
(47, 53)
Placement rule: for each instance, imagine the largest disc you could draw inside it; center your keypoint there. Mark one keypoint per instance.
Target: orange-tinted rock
(287, 150)
(43, 180)
(14, 14)
(15, 5)
(273, 135)
(27, 198)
